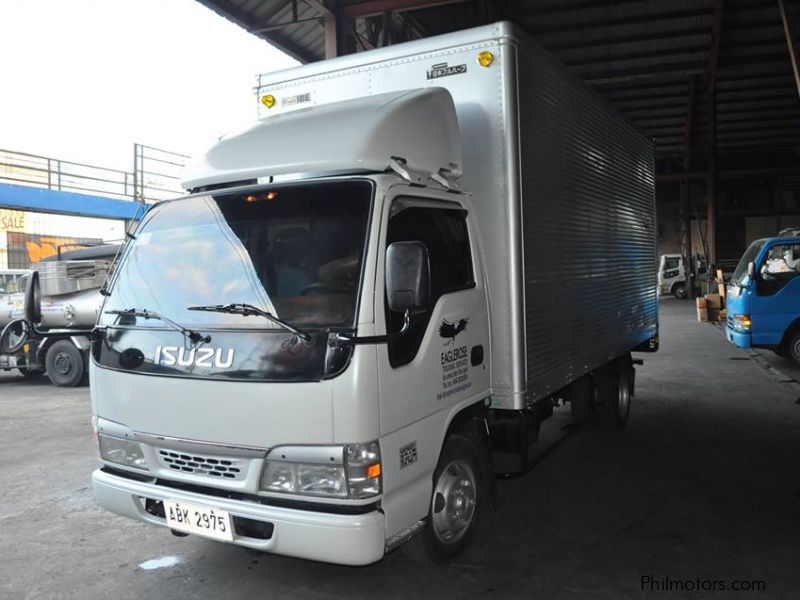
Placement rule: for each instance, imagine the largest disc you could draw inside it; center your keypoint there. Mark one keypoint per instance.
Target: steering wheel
(322, 288)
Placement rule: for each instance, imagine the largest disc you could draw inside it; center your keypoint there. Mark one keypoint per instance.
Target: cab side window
(444, 232)
(780, 265)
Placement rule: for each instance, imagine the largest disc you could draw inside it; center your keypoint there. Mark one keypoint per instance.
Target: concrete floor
(702, 484)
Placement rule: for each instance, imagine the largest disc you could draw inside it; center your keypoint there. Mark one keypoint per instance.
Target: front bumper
(335, 538)
(741, 340)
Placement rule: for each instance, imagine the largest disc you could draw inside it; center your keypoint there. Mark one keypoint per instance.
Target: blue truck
(763, 297)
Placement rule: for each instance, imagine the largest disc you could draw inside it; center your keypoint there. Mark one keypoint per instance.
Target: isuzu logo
(206, 358)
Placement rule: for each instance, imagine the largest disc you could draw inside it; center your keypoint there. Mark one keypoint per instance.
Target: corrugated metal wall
(589, 231)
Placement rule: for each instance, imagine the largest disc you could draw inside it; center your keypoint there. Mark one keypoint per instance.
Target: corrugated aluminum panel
(588, 227)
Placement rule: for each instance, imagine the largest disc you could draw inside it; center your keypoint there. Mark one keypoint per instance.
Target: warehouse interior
(714, 83)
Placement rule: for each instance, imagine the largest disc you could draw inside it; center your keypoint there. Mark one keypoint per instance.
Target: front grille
(224, 467)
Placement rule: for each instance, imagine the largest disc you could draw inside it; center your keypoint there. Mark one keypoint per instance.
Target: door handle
(476, 355)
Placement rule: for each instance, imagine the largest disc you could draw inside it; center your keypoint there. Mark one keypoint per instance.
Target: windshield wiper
(248, 309)
(193, 336)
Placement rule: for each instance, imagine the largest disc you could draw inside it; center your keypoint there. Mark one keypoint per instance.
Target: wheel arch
(470, 421)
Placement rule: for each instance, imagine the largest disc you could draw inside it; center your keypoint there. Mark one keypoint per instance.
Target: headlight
(742, 323)
(122, 452)
(351, 471)
(300, 478)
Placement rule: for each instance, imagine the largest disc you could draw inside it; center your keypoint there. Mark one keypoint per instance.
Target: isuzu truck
(396, 273)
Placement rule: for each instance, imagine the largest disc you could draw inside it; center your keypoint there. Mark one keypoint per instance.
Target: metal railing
(156, 174)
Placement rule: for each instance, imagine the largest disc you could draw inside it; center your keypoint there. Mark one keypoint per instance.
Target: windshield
(749, 256)
(293, 251)
(671, 263)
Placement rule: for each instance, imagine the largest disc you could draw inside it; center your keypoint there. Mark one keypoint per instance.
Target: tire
(792, 349)
(679, 291)
(457, 502)
(30, 373)
(618, 402)
(64, 364)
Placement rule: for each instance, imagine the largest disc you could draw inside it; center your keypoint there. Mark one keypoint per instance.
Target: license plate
(201, 520)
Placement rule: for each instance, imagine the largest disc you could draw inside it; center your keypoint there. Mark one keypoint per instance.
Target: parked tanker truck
(67, 289)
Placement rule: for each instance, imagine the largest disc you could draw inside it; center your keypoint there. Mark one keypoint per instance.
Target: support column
(330, 36)
(710, 238)
(711, 183)
(685, 191)
(790, 33)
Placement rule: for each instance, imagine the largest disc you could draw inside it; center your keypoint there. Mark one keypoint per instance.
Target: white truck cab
(316, 352)
(672, 276)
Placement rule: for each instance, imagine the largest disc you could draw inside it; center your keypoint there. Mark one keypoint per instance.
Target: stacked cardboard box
(713, 306)
(709, 308)
(702, 310)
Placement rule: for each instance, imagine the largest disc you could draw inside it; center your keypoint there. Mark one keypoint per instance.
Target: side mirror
(751, 269)
(408, 276)
(33, 299)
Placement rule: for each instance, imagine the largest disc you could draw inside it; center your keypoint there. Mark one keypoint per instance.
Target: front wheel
(792, 351)
(64, 364)
(458, 499)
(679, 291)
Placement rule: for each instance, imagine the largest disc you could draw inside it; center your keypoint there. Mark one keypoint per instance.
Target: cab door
(441, 364)
(776, 302)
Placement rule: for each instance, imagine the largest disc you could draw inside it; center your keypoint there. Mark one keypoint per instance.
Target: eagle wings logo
(449, 330)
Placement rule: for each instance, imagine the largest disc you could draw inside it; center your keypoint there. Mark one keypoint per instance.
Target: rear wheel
(679, 291)
(64, 364)
(615, 387)
(619, 404)
(458, 499)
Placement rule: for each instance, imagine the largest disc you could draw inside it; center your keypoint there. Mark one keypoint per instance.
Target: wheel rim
(63, 363)
(623, 396)
(453, 503)
(796, 349)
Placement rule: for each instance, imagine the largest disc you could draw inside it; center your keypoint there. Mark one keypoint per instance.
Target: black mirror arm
(377, 339)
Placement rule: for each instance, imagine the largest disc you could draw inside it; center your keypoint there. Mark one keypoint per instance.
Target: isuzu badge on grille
(198, 357)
